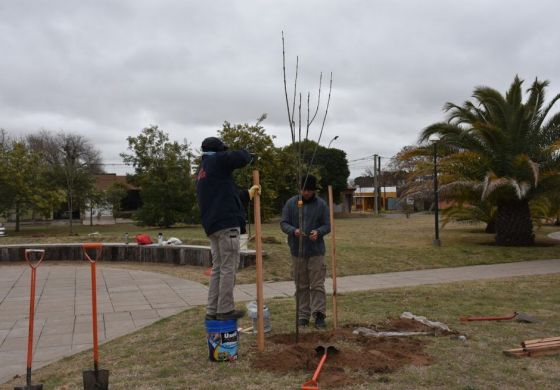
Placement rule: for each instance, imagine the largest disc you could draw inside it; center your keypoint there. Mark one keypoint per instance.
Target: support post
(437, 241)
(375, 208)
(258, 248)
(333, 258)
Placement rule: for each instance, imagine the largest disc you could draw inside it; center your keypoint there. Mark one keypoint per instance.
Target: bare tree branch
(290, 117)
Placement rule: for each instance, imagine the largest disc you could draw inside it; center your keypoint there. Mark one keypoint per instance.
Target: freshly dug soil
(357, 359)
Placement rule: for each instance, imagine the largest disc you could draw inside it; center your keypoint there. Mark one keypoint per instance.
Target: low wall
(171, 254)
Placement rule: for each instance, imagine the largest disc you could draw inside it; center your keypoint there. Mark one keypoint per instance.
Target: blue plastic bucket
(222, 338)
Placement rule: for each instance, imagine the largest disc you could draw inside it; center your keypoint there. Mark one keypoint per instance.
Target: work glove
(256, 189)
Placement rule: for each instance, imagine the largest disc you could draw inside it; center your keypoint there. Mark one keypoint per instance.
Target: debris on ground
(372, 333)
(537, 347)
(425, 321)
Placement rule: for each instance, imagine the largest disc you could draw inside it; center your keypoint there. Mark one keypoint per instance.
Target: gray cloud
(106, 69)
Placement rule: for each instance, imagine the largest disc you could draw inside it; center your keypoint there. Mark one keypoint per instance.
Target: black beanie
(310, 183)
(213, 144)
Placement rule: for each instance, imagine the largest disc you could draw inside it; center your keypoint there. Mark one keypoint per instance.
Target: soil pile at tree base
(358, 357)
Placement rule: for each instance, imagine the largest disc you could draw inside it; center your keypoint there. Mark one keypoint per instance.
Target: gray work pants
(225, 260)
(310, 284)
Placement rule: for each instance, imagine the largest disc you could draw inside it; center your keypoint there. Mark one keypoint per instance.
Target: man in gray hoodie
(309, 268)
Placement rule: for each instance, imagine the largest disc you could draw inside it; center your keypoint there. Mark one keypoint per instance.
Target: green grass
(364, 245)
(172, 353)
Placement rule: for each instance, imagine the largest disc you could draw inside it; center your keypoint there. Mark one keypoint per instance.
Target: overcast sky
(107, 69)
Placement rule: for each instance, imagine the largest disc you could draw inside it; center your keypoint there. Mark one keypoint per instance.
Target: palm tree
(513, 148)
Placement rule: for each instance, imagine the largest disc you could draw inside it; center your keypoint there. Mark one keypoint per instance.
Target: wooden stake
(333, 257)
(258, 248)
(538, 341)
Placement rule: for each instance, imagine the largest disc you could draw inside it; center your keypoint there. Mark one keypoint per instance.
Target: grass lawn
(364, 246)
(172, 353)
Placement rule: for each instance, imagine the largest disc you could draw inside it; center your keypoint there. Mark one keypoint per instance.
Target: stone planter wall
(172, 254)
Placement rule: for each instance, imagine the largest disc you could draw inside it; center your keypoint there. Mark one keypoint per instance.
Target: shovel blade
(96, 380)
(310, 385)
(30, 387)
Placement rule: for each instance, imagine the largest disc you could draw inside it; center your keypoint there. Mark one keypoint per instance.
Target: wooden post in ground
(333, 258)
(258, 248)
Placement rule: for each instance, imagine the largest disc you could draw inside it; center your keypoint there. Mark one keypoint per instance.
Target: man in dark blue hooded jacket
(223, 218)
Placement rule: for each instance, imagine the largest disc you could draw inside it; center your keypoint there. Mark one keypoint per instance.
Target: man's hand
(256, 189)
(299, 233)
(314, 235)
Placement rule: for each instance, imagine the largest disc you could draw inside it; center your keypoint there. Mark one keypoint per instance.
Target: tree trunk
(514, 226)
(18, 212)
(70, 207)
(491, 227)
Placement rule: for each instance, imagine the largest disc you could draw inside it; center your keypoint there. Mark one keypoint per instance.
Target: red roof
(103, 182)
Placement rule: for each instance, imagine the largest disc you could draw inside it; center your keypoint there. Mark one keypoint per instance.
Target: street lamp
(434, 139)
(334, 139)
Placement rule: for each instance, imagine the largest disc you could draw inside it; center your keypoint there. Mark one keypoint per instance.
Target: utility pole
(377, 190)
(376, 209)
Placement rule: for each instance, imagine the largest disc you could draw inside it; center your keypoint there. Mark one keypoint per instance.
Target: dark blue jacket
(217, 195)
(315, 217)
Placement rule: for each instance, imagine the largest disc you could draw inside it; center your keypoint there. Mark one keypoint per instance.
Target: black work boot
(303, 322)
(232, 315)
(320, 320)
(210, 317)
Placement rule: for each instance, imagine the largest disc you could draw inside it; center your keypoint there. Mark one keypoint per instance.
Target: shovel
(96, 379)
(518, 316)
(321, 351)
(41, 255)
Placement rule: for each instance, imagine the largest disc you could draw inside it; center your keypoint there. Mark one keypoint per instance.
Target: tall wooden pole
(258, 248)
(333, 257)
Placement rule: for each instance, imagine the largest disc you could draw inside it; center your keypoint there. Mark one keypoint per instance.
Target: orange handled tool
(33, 264)
(313, 384)
(96, 379)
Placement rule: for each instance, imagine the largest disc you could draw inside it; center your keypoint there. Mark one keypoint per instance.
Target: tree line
(42, 171)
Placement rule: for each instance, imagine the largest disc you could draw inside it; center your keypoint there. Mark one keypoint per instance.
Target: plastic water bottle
(252, 311)
(160, 239)
(126, 238)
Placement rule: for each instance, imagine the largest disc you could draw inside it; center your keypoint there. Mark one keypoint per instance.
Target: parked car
(2, 230)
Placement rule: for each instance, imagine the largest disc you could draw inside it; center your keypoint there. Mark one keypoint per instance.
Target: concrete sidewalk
(129, 300)
(126, 301)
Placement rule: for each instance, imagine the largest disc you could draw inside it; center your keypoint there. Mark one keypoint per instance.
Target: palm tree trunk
(514, 226)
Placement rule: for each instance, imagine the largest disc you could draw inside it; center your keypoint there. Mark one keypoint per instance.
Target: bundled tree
(508, 147)
(163, 173)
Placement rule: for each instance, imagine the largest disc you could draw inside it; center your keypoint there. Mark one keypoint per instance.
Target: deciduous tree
(162, 170)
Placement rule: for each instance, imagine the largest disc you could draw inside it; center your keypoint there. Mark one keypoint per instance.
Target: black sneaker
(232, 315)
(320, 320)
(210, 317)
(303, 322)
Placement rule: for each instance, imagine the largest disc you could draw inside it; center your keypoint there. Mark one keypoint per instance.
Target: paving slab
(126, 301)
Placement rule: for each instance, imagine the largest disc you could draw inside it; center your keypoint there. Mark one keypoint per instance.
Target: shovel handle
(313, 384)
(28, 253)
(98, 246)
(465, 319)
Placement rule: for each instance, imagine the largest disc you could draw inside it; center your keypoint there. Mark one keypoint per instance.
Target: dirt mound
(358, 357)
